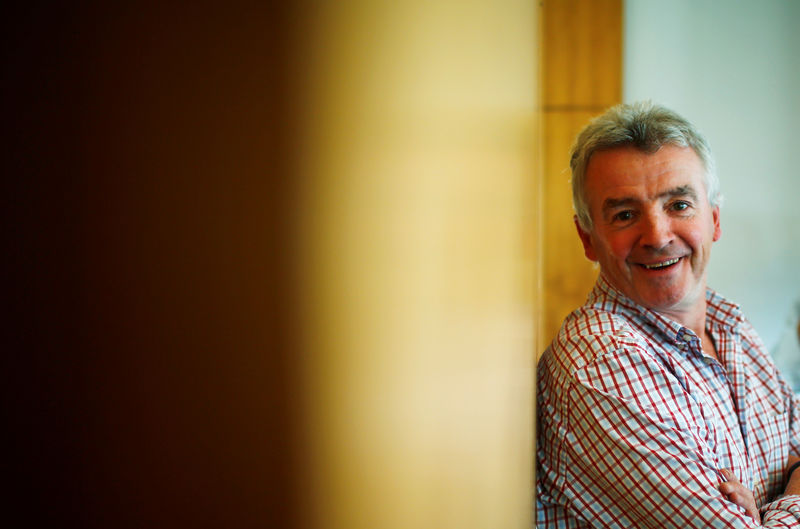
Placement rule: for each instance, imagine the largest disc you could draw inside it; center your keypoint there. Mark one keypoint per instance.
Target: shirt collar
(719, 311)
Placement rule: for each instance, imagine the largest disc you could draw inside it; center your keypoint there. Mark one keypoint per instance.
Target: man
(658, 403)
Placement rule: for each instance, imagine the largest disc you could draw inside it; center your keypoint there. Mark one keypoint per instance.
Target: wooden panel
(582, 42)
(568, 275)
(581, 77)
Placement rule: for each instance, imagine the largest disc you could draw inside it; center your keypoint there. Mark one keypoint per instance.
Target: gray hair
(647, 127)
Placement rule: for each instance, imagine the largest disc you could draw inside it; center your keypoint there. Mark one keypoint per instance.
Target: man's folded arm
(647, 465)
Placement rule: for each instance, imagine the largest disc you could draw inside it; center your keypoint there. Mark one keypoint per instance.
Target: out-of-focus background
(292, 265)
(270, 264)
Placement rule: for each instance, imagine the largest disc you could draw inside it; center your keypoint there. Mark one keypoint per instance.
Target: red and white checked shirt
(635, 423)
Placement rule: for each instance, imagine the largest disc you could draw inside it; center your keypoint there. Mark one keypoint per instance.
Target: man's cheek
(619, 249)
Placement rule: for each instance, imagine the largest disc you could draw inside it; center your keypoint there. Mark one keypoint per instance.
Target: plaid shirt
(635, 423)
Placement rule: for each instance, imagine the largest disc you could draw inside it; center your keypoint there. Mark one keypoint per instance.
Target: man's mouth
(661, 265)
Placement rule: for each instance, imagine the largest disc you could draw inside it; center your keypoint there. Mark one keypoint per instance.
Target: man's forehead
(613, 171)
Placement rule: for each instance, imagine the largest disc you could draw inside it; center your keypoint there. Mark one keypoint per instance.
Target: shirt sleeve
(786, 509)
(792, 400)
(636, 451)
(756, 350)
(794, 420)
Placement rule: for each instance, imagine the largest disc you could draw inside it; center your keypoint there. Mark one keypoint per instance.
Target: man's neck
(691, 314)
(693, 318)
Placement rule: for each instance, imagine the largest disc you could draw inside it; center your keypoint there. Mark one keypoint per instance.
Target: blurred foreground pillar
(418, 248)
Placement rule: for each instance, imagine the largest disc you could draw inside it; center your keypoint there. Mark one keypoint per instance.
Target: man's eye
(624, 215)
(680, 205)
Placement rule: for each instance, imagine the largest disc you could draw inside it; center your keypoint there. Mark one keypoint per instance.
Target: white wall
(733, 69)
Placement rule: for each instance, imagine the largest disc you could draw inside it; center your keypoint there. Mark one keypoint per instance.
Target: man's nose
(656, 231)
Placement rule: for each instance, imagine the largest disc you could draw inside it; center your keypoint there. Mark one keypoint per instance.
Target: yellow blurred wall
(418, 224)
(272, 260)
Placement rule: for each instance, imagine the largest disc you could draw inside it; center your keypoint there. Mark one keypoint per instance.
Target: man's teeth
(662, 265)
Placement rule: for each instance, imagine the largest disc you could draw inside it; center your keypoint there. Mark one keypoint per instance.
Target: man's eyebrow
(679, 191)
(614, 203)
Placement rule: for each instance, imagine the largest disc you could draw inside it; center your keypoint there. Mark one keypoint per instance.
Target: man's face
(653, 226)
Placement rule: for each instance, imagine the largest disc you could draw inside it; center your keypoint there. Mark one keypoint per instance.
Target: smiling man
(658, 405)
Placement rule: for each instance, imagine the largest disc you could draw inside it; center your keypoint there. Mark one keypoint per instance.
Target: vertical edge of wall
(538, 197)
(581, 77)
(418, 241)
(538, 241)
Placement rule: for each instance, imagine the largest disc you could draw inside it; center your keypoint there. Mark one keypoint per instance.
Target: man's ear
(717, 229)
(586, 239)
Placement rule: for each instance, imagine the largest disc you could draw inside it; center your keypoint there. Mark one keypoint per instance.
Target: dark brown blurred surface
(147, 206)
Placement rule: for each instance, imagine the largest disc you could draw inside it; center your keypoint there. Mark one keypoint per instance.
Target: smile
(663, 264)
